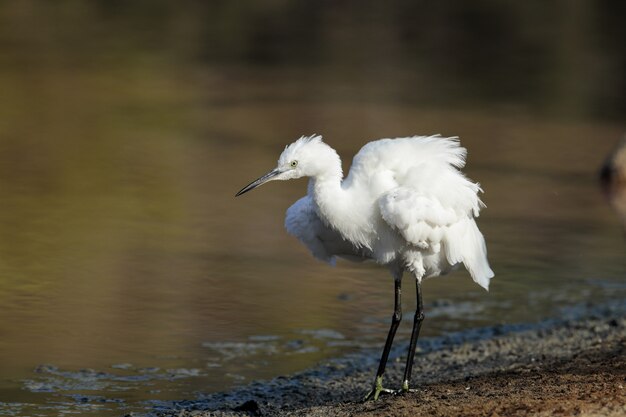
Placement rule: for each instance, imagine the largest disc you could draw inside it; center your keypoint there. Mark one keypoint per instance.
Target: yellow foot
(377, 390)
(405, 388)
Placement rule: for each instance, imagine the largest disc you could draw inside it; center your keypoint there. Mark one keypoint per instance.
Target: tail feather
(466, 244)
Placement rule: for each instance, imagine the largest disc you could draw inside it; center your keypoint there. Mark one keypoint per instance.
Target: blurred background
(129, 273)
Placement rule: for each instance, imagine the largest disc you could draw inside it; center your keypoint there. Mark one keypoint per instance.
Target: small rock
(249, 406)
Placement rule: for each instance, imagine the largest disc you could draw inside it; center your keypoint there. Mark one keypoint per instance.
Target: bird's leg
(395, 321)
(417, 324)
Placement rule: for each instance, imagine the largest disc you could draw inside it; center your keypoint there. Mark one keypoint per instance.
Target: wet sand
(568, 366)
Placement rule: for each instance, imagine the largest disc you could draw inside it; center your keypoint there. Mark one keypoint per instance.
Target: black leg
(395, 322)
(417, 324)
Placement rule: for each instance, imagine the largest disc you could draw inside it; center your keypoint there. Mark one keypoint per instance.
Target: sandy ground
(564, 367)
(590, 383)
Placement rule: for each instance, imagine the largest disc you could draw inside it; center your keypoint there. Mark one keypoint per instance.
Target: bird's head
(300, 159)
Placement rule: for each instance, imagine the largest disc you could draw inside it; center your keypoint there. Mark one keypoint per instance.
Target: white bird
(404, 204)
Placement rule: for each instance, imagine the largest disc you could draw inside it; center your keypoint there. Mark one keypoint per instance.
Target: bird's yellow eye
(294, 164)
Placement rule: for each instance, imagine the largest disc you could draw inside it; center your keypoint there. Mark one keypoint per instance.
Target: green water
(129, 273)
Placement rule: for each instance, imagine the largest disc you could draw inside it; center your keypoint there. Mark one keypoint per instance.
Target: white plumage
(407, 197)
(404, 204)
(324, 243)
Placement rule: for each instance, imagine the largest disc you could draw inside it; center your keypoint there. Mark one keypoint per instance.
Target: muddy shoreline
(571, 365)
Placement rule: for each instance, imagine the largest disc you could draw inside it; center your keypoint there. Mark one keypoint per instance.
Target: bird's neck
(325, 184)
(334, 203)
(329, 197)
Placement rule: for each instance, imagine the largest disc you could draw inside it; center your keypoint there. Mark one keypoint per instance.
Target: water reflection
(125, 129)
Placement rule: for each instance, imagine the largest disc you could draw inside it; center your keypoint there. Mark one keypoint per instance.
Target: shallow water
(130, 275)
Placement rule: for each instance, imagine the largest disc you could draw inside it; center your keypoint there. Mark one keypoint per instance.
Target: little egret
(404, 204)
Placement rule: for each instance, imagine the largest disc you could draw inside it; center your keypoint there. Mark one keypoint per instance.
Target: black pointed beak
(265, 178)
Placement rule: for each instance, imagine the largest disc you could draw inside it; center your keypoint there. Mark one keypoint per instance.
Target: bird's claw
(405, 388)
(375, 393)
(404, 391)
(377, 390)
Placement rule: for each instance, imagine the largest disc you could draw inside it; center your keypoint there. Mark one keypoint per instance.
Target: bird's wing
(424, 197)
(425, 223)
(419, 218)
(397, 158)
(324, 242)
(428, 165)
